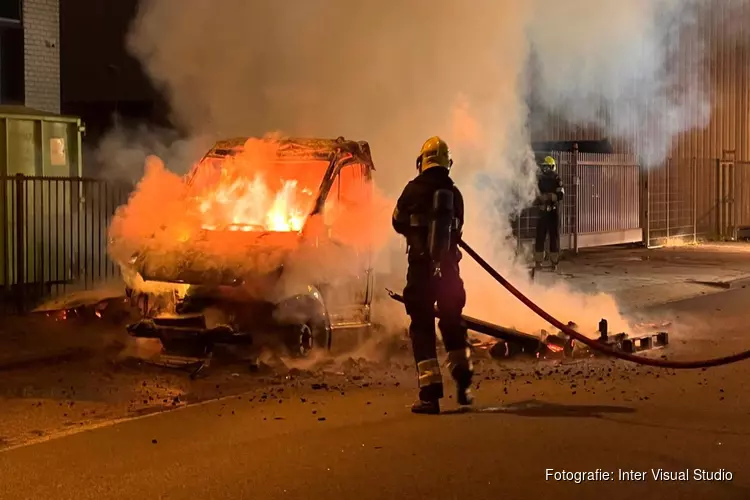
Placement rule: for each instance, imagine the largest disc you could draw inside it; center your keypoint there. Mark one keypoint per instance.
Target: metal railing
(697, 198)
(674, 192)
(601, 205)
(53, 236)
(53, 230)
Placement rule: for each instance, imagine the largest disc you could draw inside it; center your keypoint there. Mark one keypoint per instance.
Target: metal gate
(601, 204)
(733, 194)
(672, 198)
(609, 200)
(53, 236)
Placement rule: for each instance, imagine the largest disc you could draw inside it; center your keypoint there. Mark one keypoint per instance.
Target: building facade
(30, 54)
(714, 56)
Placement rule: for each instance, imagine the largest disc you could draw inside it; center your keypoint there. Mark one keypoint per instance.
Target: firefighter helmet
(549, 164)
(435, 153)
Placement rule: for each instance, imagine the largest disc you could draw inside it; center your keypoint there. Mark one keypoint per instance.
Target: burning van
(263, 237)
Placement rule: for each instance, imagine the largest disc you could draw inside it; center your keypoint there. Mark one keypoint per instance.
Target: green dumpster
(41, 192)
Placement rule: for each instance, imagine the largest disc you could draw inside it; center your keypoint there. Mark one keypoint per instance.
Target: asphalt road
(578, 417)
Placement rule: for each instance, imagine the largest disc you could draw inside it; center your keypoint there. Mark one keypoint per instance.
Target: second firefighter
(551, 193)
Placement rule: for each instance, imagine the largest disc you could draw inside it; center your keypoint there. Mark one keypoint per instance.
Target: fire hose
(592, 343)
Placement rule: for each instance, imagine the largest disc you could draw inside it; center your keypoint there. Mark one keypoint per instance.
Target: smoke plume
(617, 66)
(395, 75)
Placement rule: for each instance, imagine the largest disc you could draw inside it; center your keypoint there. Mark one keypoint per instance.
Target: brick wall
(41, 24)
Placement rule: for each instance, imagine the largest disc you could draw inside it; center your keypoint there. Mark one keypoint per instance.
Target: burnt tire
(305, 338)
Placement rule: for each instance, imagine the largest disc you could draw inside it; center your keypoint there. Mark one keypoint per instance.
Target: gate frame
(730, 176)
(571, 238)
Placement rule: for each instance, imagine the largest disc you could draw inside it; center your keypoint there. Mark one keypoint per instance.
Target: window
(10, 10)
(11, 65)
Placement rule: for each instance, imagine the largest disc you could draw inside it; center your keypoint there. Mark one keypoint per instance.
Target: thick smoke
(614, 65)
(396, 75)
(122, 154)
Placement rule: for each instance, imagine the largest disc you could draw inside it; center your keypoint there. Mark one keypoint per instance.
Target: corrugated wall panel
(714, 57)
(722, 37)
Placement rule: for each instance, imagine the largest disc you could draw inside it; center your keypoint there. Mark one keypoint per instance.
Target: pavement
(109, 426)
(639, 278)
(311, 441)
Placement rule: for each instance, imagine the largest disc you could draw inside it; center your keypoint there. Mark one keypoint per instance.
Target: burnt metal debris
(513, 343)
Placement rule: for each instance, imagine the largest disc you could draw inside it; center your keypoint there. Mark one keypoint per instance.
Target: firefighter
(429, 282)
(551, 193)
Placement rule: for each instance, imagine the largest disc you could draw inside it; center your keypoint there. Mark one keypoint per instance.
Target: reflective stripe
(429, 372)
(460, 358)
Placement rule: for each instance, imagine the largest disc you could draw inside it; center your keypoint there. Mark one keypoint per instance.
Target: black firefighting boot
(465, 397)
(430, 387)
(538, 259)
(462, 371)
(554, 258)
(426, 407)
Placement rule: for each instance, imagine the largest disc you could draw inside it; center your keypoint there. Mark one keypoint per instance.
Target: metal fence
(733, 198)
(54, 235)
(601, 205)
(672, 192)
(53, 231)
(697, 198)
(741, 199)
(610, 199)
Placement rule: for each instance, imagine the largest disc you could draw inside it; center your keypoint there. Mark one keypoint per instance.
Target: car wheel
(306, 338)
(305, 342)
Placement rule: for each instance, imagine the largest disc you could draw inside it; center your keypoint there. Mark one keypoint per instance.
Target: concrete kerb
(733, 284)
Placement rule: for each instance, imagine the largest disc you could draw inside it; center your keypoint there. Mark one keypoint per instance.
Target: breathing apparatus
(440, 229)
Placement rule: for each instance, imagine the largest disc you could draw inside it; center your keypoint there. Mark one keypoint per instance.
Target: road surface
(314, 443)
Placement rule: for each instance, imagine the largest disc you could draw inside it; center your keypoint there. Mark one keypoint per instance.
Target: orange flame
(255, 191)
(250, 205)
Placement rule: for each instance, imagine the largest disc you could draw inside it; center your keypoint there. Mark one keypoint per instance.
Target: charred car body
(294, 274)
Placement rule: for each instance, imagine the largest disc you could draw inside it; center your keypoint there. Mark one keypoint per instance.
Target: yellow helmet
(435, 153)
(549, 163)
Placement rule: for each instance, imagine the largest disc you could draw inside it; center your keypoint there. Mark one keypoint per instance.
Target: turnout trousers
(547, 224)
(423, 290)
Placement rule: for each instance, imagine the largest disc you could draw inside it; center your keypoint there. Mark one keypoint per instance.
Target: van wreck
(265, 244)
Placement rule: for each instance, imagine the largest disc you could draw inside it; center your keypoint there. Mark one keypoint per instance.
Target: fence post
(669, 164)
(646, 200)
(695, 199)
(719, 199)
(733, 201)
(20, 244)
(576, 205)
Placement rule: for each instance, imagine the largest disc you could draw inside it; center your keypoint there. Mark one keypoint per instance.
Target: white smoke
(396, 73)
(616, 65)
